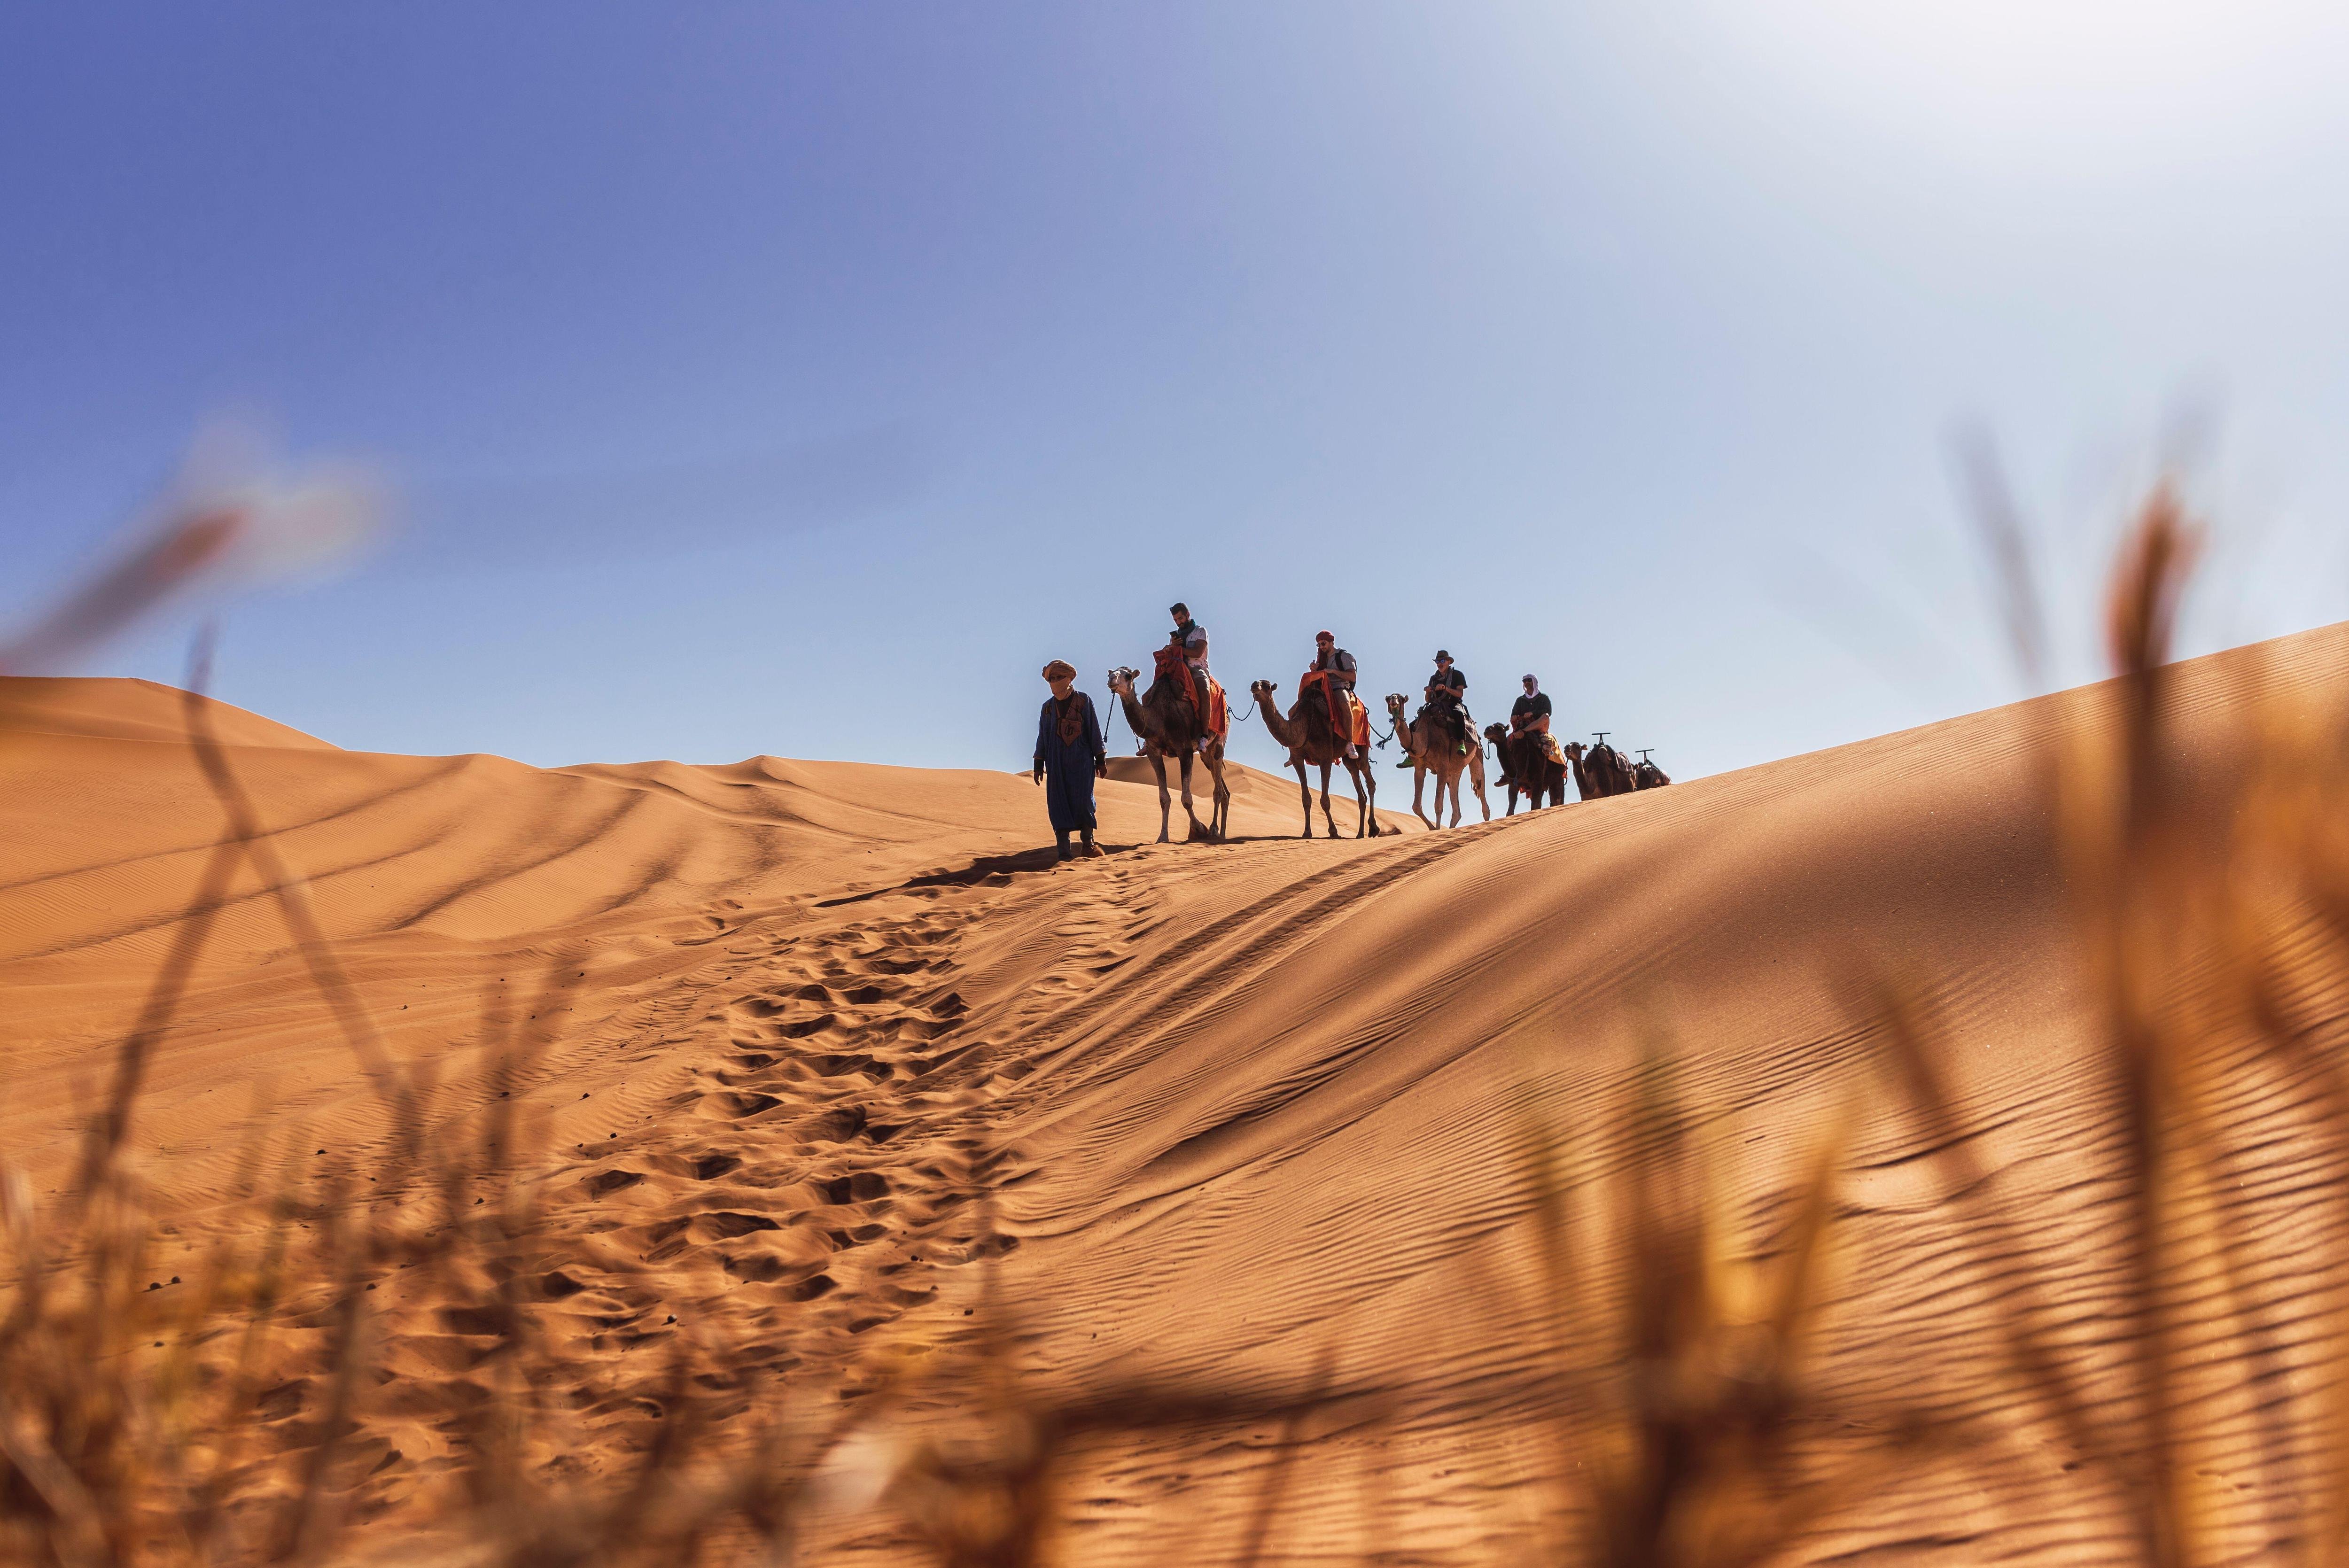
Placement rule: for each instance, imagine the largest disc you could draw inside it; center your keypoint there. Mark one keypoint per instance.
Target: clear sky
(799, 378)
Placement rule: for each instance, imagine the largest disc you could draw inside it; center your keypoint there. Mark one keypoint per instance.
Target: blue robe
(1069, 765)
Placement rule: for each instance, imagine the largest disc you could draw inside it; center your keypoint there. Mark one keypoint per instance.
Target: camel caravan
(1182, 717)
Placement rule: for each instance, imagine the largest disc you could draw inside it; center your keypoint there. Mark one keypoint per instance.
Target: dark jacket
(1069, 765)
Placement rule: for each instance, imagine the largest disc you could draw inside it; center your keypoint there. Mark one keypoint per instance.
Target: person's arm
(1044, 739)
(1094, 738)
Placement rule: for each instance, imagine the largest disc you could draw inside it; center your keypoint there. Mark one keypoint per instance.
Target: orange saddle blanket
(1173, 666)
(1359, 728)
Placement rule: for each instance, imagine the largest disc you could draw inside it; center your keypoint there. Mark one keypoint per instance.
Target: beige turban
(1060, 670)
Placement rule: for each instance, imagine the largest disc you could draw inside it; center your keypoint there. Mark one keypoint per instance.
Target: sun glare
(2098, 80)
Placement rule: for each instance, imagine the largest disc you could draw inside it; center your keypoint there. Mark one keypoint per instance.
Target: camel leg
(1304, 799)
(1220, 828)
(1327, 820)
(1367, 823)
(1189, 814)
(1418, 782)
(1166, 801)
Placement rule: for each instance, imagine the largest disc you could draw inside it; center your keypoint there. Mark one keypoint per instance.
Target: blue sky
(799, 379)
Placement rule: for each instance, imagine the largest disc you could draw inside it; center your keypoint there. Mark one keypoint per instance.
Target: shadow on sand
(997, 870)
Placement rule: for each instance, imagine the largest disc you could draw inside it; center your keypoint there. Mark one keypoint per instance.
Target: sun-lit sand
(1264, 1103)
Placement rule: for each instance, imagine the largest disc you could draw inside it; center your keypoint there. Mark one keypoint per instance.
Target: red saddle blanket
(1358, 726)
(1173, 666)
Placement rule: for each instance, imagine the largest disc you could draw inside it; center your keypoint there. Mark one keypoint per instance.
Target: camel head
(1394, 703)
(1576, 750)
(1262, 690)
(1121, 680)
(1496, 733)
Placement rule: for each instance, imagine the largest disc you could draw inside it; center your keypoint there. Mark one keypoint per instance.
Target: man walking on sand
(1070, 755)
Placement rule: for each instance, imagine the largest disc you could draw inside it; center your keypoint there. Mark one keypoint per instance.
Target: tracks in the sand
(821, 1113)
(829, 1122)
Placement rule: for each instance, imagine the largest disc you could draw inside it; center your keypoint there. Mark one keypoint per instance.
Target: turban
(1060, 670)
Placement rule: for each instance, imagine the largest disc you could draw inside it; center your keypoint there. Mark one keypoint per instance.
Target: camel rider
(1529, 714)
(1192, 638)
(1336, 667)
(1447, 692)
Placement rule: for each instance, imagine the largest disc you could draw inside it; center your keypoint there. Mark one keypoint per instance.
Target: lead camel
(1169, 725)
(1305, 732)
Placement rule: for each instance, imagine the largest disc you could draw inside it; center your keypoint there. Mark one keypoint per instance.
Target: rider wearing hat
(1446, 693)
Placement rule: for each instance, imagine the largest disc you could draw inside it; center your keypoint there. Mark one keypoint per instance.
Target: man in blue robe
(1070, 755)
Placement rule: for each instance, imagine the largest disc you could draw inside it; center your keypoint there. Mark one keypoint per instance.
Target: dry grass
(2213, 904)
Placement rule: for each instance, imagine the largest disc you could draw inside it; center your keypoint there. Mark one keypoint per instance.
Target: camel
(1306, 734)
(1646, 775)
(1525, 765)
(1169, 725)
(1445, 762)
(1609, 771)
(1584, 785)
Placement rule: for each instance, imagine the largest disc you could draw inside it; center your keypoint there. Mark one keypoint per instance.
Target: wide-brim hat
(1442, 656)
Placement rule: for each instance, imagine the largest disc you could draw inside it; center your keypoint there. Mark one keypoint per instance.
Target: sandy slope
(438, 873)
(1262, 1099)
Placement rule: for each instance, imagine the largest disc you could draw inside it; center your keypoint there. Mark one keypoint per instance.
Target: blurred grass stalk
(2211, 890)
(2208, 872)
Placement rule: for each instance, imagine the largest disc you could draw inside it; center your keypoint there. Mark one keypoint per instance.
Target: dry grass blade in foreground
(1686, 1423)
(2210, 887)
(138, 1422)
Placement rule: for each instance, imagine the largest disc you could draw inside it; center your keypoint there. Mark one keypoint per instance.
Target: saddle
(1174, 668)
(1357, 723)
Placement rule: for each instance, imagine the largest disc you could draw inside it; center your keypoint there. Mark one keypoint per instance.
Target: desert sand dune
(1253, 1116)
